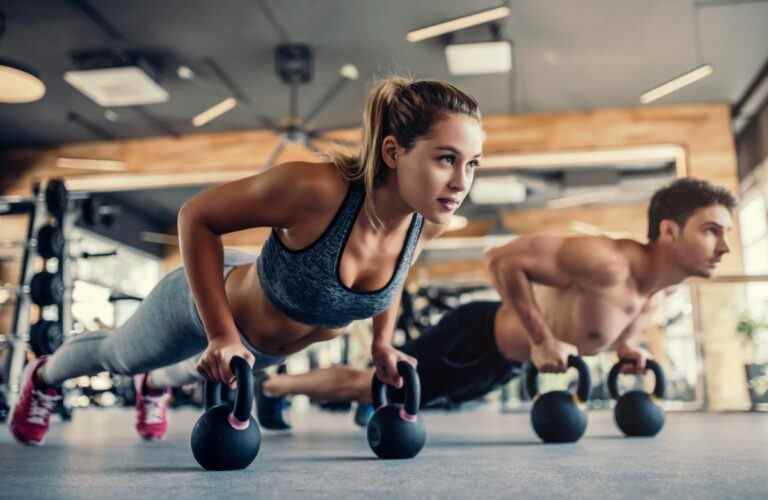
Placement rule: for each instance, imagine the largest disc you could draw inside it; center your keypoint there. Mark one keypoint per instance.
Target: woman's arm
(280, 197)
(385, 357)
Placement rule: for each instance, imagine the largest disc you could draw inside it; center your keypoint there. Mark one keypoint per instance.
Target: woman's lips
(448, 203)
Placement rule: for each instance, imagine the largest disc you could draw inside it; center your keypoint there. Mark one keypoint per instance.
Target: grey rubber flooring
(471, 454)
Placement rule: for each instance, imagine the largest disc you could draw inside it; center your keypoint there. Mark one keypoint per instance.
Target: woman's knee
(114, 360)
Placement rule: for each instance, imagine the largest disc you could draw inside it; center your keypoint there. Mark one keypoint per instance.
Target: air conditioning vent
(112, 87)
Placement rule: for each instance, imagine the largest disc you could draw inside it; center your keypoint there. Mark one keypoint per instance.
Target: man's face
(701, 243)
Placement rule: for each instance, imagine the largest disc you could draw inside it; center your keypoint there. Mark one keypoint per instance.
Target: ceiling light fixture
(349, 71)
(185, 72)
(677, 83)
(701, 71)
(458, 24)
(479, 58)
(214, 112)
(19, 84)
(120, 86)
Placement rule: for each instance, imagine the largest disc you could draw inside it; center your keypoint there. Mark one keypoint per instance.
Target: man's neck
(656, 269)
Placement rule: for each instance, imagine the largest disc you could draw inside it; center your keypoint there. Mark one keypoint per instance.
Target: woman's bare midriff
(265, 326)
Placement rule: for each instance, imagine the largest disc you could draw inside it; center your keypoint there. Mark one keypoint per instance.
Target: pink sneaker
(151, 410)
(31, 415)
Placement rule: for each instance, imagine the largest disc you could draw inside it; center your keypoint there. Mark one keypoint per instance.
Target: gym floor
(469, 454)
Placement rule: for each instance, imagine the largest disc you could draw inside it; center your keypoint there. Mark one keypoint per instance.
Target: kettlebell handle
(585, 379)
(412, 388)
(244, 396)
(214, 394)
(660, 388)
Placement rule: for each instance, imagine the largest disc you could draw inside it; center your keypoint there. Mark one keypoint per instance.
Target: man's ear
(669, 230)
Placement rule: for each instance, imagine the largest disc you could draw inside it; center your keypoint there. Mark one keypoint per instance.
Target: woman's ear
(390, 151)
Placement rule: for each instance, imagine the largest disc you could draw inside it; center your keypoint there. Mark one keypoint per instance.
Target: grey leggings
(164, 336)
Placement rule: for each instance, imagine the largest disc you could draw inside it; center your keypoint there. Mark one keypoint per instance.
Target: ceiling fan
(294, 65)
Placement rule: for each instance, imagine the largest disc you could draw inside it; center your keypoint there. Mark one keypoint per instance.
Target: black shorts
(458, 357)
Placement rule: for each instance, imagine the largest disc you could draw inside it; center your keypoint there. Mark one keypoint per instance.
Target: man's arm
(588, 262)
(555, 261)
(624, 345)
(638, 325)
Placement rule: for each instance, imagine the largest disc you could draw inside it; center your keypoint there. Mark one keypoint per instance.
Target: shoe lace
(41, 407)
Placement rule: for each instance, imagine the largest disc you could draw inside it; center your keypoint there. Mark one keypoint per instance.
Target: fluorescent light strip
(91, 164)
(161, 238)
(137, 181)
(576, 200)
(677, 83)
(556, 161)
(477, 242)
(458, 24)
(214, 112)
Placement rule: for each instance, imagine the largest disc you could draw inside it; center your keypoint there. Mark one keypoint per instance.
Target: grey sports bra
(305, 284)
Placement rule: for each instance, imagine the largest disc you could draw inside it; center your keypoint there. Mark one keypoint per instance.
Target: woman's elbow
(190, 218)
(185, 215)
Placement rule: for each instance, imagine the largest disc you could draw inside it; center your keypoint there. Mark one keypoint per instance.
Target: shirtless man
(560, 295)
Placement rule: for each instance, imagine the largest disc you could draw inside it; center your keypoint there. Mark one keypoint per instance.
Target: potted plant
(753, 333)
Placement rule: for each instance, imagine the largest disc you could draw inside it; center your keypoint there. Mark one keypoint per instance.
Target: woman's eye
(474, 164)
(449, 159)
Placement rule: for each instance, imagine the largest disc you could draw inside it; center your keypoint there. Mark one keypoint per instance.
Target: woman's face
(436, 174)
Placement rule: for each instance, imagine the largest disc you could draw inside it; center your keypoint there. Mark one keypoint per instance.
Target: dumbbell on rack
(49, 201)
(51, 209)
(45, 289)
(49, 242)
(45, 337)
(57, 202)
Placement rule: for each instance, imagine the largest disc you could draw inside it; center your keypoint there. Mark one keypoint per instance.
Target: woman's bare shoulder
(320, 185)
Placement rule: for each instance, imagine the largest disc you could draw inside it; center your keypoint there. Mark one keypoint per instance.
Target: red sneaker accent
(151, 410)
(31, 415)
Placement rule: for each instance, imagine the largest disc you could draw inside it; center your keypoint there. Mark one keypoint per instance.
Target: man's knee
(362, 384)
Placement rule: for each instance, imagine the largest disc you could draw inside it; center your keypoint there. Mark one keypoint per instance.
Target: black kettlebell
(395, 430)
(227, 437)
(636, 412)
(556, 416)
